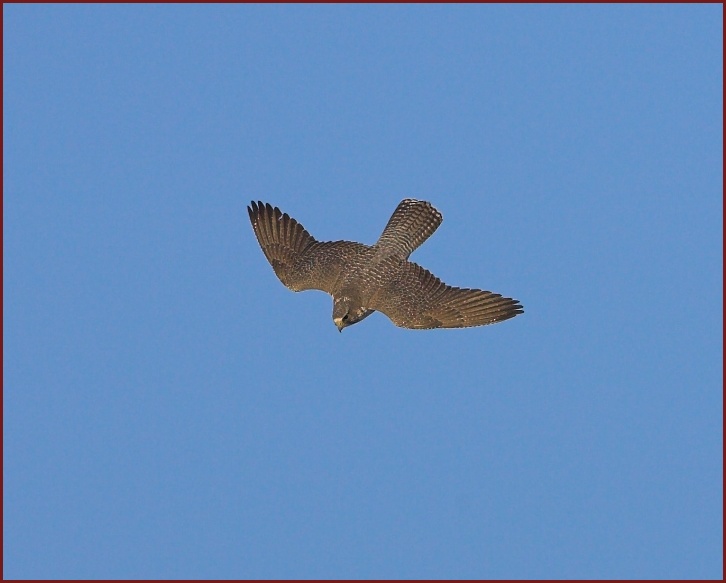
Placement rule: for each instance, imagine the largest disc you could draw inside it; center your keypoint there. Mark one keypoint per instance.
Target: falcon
(365, 278)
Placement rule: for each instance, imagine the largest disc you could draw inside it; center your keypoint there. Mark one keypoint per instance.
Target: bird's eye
(345, 318)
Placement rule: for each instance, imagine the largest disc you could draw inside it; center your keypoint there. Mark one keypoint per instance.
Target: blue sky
(171, 410)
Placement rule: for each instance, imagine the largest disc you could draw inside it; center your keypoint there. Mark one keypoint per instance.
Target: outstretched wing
(410, 225)
(415, 298)
(298, 259)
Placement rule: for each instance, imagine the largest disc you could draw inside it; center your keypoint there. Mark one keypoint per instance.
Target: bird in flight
(365, 278)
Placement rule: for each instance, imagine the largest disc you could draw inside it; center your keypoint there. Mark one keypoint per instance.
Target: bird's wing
(298, 259)
(410, 225)
(415, 298)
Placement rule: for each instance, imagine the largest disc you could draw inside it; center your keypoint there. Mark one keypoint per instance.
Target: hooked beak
(339, 323)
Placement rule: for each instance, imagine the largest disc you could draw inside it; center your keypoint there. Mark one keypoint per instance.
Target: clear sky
(172, 410)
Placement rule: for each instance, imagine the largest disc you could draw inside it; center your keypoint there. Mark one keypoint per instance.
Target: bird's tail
(410, 225)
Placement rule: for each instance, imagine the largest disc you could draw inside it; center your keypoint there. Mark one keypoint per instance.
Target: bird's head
(347, 312)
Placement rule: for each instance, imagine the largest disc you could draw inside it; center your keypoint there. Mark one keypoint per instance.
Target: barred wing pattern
(410, 225)
(299, 260)
(413, 297)
(362, 278)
